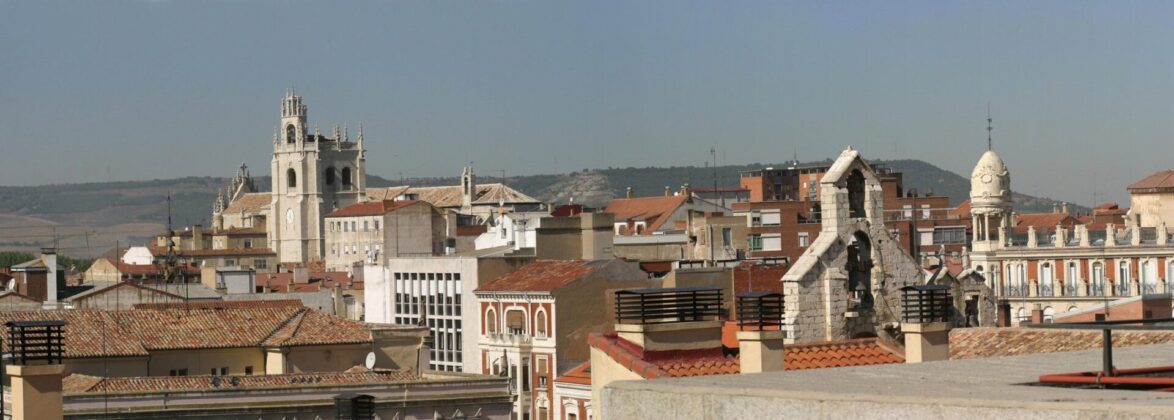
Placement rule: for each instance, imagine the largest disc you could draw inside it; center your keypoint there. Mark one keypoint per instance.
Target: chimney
(301, 275)
(685, 190)
(668, 191)
(1004, 314)
(1037, 314)
(49, 257)
(628, 193)
(1055, 207)
(36, 371)
(1064, 207)
(671, 319)
(924, 321)
(1110, 234)
(760, 335)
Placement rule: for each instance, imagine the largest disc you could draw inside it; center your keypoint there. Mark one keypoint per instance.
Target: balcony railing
(936, 213)
(1019, 291)
(1045, 290)
(681, 304)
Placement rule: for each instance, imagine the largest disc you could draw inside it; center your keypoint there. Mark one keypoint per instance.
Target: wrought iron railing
(681, 304)
(760, 310)
(36, 341)
(1071, 289)
(1020, 290)
(1045, 290)
(922, 304)
(1123, 288)
(1096, 289)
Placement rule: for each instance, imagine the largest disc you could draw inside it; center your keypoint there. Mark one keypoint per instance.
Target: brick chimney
(924, 323)
(1037, 314)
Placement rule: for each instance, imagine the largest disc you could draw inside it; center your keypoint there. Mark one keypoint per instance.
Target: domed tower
(990, 200)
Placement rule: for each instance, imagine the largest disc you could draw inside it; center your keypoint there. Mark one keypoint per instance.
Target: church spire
(360, 135)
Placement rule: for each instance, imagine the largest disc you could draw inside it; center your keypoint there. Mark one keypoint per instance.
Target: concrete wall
(325, 358)
(604, 371)
(1153, 209)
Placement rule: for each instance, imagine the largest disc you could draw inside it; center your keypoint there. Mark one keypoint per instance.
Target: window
(366, 226)
(291, 178)
(770, 218)
(754, 242)
(727, 237)
(540, 324)
(291, 134)
(248, 370)
(491, 321)
(354, 226)
(949, 235)
(804, 240)
(179, 372)
(260, 264)
(1097, 288)
(515, 322)
(1047, 279)
(224, 370)
(755, 219)
(248, 243)
(376, 225)
(772, 242)
(330, 176)
(346, 177)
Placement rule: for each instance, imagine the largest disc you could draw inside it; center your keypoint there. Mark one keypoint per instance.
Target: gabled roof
(1158, 181)
(107, 287)
(138, 331)
(9, 295)
(450, 196)
(250, 203)
(372, 208)
(654, 211)
(543, 275)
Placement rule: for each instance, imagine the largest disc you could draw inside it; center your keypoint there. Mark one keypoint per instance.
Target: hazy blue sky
(1082, 92)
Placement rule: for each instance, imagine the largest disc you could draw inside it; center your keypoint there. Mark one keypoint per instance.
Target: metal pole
(1107, 335)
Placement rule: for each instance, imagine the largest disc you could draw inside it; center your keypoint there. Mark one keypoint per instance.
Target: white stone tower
(990, 199)
(311, 175)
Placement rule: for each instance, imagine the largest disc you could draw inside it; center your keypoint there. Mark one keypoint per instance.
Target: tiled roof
(970, 343)
(654, 211)
(108, 286)
(83, 384)
(579, 375)
(1044, 221)
(1156, 181)
(135, 332)
(962, 211)
(543, 275)
(250, 203)
(450, 196)
(371, 208)
(241, 231)
(224, 304)
(281, 282)
(719, 361)
(13, 296)
(205, 253)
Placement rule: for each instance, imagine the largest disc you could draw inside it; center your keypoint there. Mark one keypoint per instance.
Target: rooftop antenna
(989, 128)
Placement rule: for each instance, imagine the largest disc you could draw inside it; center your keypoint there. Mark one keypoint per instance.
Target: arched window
(1047, 279)
(291, 178)
(330, 176)
(1049, 315)
(491, 321)
(346, 177)
(1149, 276)
(1072, 280)
(1097, 286)
(1021, 315)
(856, 194)
(1123, 278)
(540, 324)
(291, 134)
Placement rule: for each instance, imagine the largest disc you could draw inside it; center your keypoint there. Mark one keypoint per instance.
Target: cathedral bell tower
(311, 175)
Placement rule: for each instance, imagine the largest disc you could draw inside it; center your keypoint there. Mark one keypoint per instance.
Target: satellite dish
(370, 363)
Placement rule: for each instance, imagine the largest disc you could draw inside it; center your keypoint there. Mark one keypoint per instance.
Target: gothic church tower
(312, 175)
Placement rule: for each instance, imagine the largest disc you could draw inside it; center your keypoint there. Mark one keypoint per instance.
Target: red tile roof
(579, 375)
(204, 253)
(970, 343)
(281, 282)
(1043, 221)
(224, 304)
(84, 384)
(1160, 180)
(718, 361)
(250, 203)
(135, 332)
(543, 275)
(372, 208)
(241, 231)
(654, 211)
(962, 211)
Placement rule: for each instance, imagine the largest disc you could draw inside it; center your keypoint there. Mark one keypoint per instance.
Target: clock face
(987, 178)
(289, 216)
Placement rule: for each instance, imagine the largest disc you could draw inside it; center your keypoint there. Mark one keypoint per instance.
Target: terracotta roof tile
(1043, 221)
(224, 304)
(544, 275)
(250, 203)
(970, 343)
(1160, 180)
(579, 375)
(83, 384)
(372, 208)
(654, 211)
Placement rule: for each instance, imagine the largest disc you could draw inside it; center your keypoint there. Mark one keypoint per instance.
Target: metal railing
(922, 304)
(760, 310)
(1020, 290)
(1045, 290)
(656, 306)
(36, 341)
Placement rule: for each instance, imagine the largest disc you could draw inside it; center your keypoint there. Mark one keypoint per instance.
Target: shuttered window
(515, 321)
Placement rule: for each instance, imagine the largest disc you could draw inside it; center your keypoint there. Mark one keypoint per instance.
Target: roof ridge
(299, 315)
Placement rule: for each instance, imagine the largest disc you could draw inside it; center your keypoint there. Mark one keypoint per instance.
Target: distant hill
(89, 219)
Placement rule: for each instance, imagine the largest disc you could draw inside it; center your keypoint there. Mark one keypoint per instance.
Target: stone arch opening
(291, 178)
(859, 268)
(346, 177)
(856, 194)
(291, 134)
(330, 173)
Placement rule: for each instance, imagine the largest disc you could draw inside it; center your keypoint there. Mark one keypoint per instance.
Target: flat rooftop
(991, 388)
